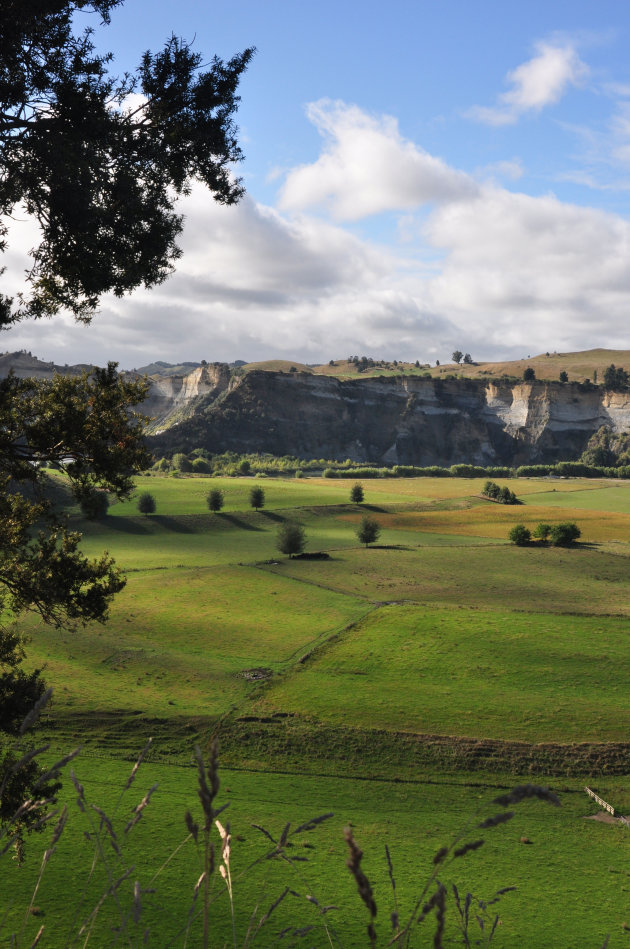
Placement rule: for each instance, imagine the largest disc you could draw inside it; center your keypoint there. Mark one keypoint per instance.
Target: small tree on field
(291, 539)
(257, 498)
(520, 535)
(457, 356)
(542, 532)
(245, 467)
(562, 535)
(356, 494)
(215, 500)
(529, 374)
(564, 376)
(146, 503)
(368, 530)
(94, 504)
(468, 359)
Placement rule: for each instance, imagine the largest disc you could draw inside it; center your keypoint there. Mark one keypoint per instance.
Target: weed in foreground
(211, 912)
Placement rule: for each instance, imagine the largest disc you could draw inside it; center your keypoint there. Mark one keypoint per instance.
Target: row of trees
(215, 500)
(559, 535)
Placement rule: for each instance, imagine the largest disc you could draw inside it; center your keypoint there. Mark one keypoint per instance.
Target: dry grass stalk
(363, 884)
(36, 711)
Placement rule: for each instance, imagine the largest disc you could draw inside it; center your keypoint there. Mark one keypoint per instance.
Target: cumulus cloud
(539, 82)
(480, 268)
(520, 268)
(367, 167)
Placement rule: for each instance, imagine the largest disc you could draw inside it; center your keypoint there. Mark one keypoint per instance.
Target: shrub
(146, 503)
(201, 466)
(562, 535)
(94, 504)
(181, 462)
(215, 500)
(257, 498)
(542, 532)
(520, 535)
(356, 493)
(290, 539)
(368, 530)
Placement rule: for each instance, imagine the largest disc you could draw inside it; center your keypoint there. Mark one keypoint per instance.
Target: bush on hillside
(520, 535)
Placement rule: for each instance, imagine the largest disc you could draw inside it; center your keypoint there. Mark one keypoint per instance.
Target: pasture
(321, 674)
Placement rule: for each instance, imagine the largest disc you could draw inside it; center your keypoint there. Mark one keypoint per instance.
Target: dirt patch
(606, 818)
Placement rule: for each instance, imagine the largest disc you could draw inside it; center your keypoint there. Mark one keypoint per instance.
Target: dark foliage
(257, 498)
(368, 531)
(291, 539)
(146, 503)
(101, 177)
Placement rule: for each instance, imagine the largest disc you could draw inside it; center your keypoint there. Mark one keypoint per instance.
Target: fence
(602, 803)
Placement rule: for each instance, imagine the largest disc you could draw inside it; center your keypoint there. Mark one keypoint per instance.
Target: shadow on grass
(371, 507)
(175, 524)
(272, 516)
(127, 525)
(239, 522)
(387, 547)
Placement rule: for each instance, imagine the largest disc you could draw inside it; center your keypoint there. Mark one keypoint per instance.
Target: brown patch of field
(495, 520)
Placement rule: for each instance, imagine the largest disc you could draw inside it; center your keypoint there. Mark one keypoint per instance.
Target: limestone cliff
(402, 420)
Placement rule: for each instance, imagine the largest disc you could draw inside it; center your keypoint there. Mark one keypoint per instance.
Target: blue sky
(420, 177)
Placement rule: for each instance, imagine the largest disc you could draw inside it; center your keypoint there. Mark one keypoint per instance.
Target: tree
(257, 498)
(564, 376)
(468, 359)
(368, 530)
(529, 374)
(457, 356)
(291, 538)
(100, 177)
(146, 503)
(215, 500)
(542, 532)
(563, 535)
(94, 504)
(181, 462)
(356, 494)
(615, 378)
(520, 535)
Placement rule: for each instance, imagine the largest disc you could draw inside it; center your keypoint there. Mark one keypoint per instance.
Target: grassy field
(442, 656)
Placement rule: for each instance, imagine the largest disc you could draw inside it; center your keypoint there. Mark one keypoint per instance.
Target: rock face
(171, 397)
(383, 421)
(403, 420)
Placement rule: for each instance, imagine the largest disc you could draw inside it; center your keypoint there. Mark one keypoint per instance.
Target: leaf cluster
(99, 175)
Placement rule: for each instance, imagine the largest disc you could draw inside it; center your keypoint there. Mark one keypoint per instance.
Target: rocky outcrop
(171, 398)
(380, 420)
(403, 420)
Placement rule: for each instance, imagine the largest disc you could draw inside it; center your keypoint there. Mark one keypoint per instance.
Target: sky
(420, 177)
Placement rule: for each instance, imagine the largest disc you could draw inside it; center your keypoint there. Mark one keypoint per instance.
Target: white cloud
(367, 167)
(539, 82)
(532, 270)
(481, 269)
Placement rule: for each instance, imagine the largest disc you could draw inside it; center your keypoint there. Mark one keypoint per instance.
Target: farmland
(399, 686)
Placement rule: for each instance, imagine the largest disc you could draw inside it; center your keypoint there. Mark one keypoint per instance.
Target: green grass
(537, 580)
(441, 629)
(470, 673)
(414, 819)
